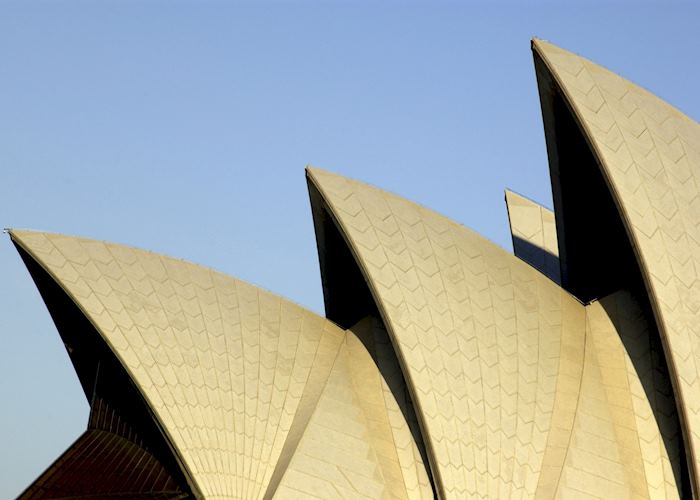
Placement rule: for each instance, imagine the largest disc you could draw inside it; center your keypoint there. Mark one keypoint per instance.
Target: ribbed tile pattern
(627, 360)
(357, 443)
(650, 154)
(616, 449)
(479, 333)
(534, 233)
(222, 364)
(399, 407)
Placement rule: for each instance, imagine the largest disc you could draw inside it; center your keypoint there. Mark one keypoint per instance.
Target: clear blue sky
(184, 128)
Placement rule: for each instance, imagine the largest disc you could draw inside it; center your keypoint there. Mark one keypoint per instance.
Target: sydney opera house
(445, 367)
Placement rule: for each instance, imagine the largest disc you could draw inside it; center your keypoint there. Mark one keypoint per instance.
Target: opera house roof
(445, 367)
